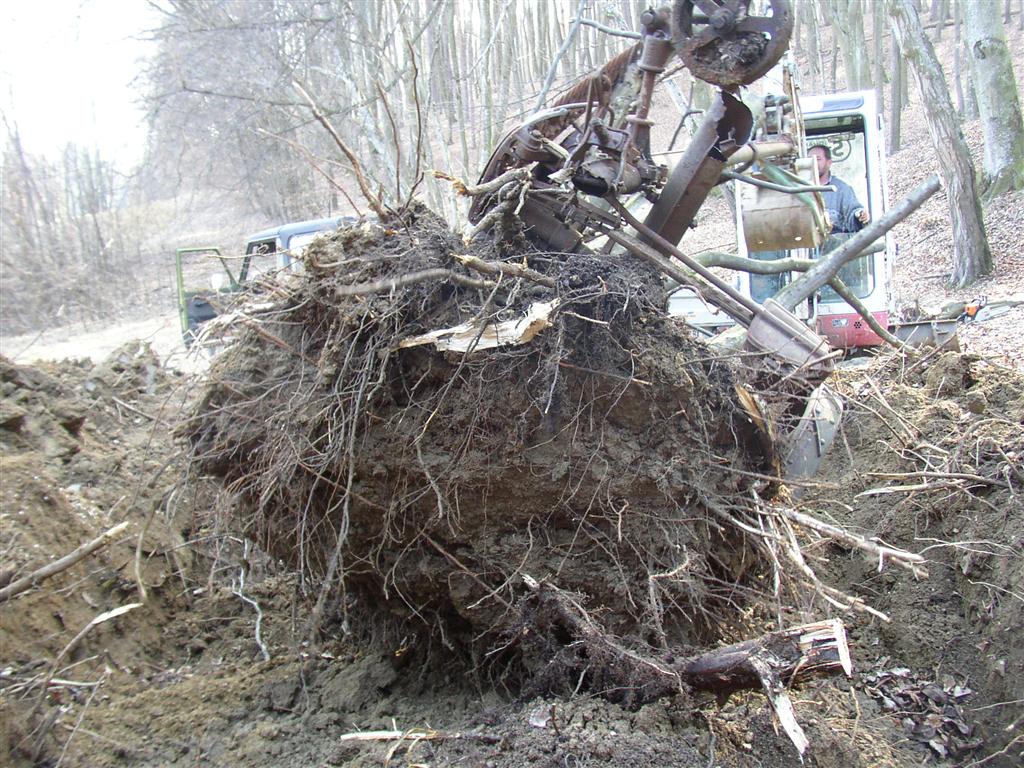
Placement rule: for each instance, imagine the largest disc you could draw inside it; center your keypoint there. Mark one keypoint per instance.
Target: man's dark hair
(823, 147)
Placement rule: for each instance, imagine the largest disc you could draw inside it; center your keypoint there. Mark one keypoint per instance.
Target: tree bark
(878, 46)
(848, 27)
(958, 79)
(971, 256)
(897, 101)
(996, 88)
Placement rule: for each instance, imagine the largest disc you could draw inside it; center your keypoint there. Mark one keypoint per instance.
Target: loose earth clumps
(534, 634)
(423, 441)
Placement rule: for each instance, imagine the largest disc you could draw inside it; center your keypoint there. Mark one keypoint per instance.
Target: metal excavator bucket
(776, 331)
(805, 446)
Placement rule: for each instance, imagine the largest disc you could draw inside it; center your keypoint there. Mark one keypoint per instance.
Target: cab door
(849, 125)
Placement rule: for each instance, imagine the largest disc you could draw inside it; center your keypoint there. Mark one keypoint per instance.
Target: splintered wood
(770, 663)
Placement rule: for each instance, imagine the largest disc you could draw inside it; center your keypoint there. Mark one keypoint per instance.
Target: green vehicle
(206, 282)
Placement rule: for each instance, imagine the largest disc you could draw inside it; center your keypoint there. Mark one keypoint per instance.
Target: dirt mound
(609, 455)
(81, 447)
(610, 459)
(932, 459)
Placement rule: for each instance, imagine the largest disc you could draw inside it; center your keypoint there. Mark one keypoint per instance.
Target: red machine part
(851, 331)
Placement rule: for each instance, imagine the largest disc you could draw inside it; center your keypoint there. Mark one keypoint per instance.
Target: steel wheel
(725, 43)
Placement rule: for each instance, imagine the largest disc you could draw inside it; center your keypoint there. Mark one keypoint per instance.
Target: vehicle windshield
(849, 166)
(260, 258)
(298, 243)
(292, 258)
(858, 275)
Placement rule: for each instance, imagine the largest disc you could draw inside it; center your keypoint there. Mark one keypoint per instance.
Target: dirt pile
(932, 459)
(465, 476)
(81, 449)
(609, 455)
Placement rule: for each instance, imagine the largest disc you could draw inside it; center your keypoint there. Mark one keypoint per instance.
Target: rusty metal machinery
(727, 43)
(592, 148)
(594, 141)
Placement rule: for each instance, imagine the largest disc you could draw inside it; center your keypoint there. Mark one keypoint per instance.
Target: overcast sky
(66, 68)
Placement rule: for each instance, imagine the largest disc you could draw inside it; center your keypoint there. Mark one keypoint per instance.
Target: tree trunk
(878, 73)
(807, 14)
(958, 79)
(896, 112)
(996, 89)
(971, 256)
(817, 20)
(970, 93)
(941, 14)
(848, 35)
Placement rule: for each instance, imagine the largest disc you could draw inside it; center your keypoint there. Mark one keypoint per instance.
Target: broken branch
(825, 269)
(417, 734)
(769, 663)
(357, 169)
(475, 190)
(900, 557)
(96, 621)
(503, 268)
(25, 583)
(793, 264)
(391, 284)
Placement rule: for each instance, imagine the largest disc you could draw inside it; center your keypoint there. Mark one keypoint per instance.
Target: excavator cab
(769, 227)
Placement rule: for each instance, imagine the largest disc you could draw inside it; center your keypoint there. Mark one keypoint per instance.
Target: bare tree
(389, 75)
(847, 17)
(996, 89)
(971, 255)
(68, 254)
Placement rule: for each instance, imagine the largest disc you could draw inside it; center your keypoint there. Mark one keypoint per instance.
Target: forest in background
(233, 89)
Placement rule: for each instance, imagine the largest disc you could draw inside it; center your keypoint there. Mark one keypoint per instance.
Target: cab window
(844, 136)
(260, 258)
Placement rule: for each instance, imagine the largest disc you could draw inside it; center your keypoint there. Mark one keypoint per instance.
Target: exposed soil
(411, 641)
(959, 418)
(182, 680)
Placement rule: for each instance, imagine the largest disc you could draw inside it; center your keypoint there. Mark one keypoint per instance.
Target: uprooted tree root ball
(411, 480)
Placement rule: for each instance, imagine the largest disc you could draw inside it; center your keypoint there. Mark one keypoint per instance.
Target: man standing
(844, 209)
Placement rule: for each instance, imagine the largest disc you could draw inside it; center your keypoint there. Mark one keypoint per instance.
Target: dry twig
(30, 580)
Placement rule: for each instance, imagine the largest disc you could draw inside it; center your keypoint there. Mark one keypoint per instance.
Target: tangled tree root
(770, 663)
(596, 445)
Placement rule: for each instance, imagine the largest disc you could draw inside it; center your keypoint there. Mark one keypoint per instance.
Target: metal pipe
(663, 245)
(644, 251)
(775, 187)
(764, 149)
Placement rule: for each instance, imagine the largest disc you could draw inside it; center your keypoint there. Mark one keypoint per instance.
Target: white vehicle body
(850, 124)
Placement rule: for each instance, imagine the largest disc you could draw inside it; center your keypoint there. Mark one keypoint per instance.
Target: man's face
(824, 163)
